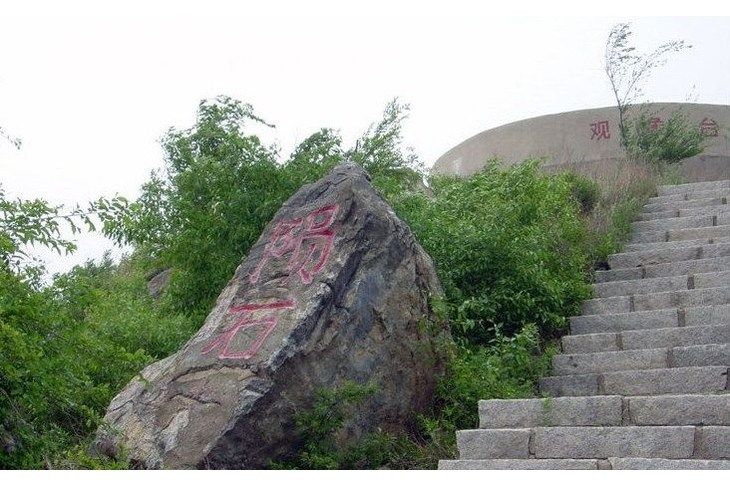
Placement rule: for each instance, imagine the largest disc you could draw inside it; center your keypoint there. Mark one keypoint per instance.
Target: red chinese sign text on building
(709, 128)
(600, 130)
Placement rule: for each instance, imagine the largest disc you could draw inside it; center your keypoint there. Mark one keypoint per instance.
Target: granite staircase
(642, 382)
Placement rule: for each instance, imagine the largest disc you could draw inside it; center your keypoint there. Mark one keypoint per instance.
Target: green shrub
(318, 425)
(66, 350)
(585, 192)
(670, 141)
(509, 367)
(509, 248)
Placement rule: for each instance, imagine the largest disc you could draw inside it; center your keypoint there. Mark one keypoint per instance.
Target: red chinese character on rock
(709, 128)
(266, 321)
(308, 242)
(655, 123)
(599, 130)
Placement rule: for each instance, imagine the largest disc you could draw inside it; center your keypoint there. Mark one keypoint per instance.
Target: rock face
(336, 289)
(159, 281)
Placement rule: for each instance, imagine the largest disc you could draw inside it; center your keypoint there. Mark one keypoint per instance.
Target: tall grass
(619, 189)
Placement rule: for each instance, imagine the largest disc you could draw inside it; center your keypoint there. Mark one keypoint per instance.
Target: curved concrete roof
(578, 136)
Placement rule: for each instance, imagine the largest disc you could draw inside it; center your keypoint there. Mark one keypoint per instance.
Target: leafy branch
(13, 140)
(36, 222)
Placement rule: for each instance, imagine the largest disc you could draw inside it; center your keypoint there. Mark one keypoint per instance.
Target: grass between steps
(621, 189)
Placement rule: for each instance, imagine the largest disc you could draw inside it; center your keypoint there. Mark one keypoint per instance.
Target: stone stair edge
(649, 382)
(651, 207)
(679, 234)
(641, 359)
(612, 463)
(641, 338)
(704, 296)
(678, 188)
(663, 215)
(672, 255)
(690, 316)
(678, 442)
(716, 224)
(690, 195)
(693, 280)
(672, 244)
(663, 269)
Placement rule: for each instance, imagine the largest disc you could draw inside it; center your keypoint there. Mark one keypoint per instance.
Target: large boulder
(336, 289)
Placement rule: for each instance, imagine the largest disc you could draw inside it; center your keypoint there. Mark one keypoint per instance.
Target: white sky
(91, 92)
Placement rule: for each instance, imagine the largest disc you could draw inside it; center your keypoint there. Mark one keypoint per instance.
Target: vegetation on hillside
(663, 142)
(514, 249)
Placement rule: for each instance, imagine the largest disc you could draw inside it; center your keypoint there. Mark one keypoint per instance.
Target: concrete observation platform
(589, 137)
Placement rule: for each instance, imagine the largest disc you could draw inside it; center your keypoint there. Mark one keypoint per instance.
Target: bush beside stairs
(642, 382)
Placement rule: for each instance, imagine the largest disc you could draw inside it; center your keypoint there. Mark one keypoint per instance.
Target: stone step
(665, 464)
(672, 223)
(719, 231)
(693, 195)
(661, 284)
(722, 229)
(664, 269)
(708, 296)
(684, 204)
(662, 214)
(678, 410)
(661, 256)
(648, 358)
(673, 244)
(642, 339)
(692, 187)
(680, 442)
(685, 212)
(521, 464)
(645, 320)
(641, 286)
(704, 210)
(680, 380)
(558, 411)
(612, 463)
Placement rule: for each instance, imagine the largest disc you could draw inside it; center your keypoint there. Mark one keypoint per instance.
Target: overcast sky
(90, 96)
